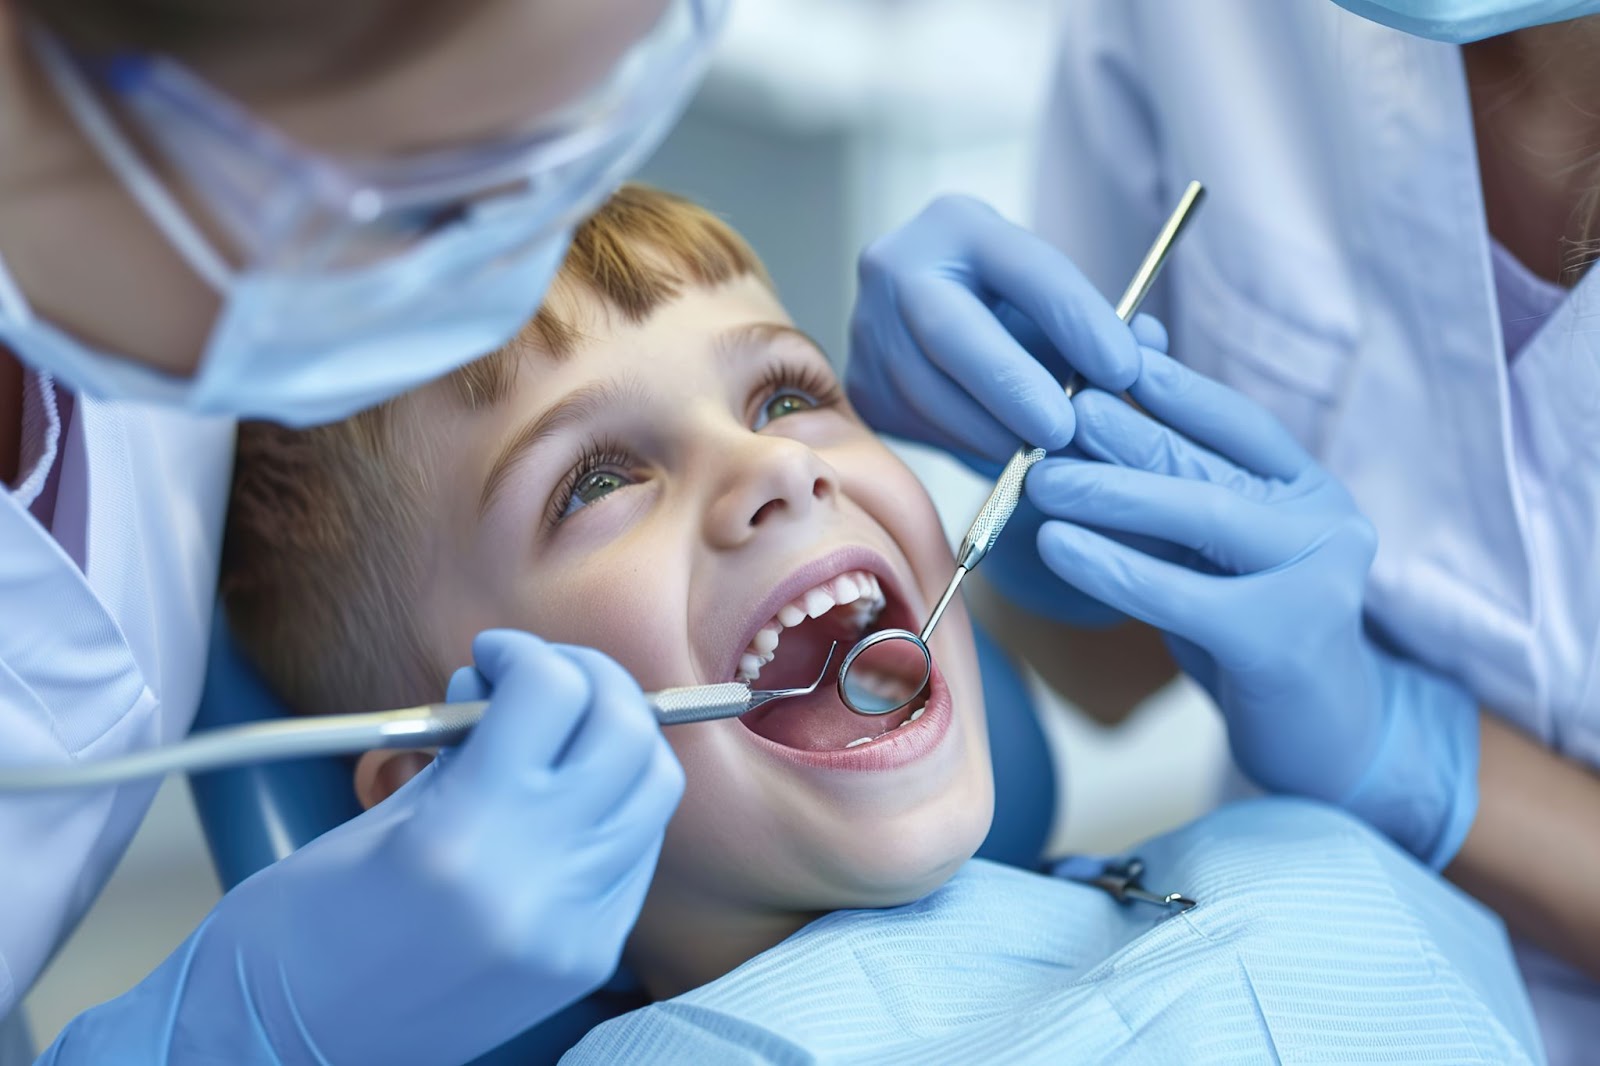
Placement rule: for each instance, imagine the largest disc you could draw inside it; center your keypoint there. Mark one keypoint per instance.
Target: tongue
(818, 722)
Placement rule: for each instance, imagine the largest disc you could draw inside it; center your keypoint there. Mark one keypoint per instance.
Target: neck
(679, 945)
(1536, 112)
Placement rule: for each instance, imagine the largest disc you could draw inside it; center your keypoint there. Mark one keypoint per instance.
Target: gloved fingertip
(1091, 408)
(496, 650)
(1127, 362)
(1044, 484)
(1161, 370)
(1149, 332)
(1062, 424)
(466, 684)
(1053, 539)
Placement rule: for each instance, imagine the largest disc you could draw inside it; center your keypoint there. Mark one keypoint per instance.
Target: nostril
(765, 511)
(821, 488)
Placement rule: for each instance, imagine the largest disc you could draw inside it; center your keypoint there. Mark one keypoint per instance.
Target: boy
(663, 468)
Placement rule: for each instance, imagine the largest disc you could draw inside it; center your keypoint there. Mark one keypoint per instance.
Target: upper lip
(809, 576)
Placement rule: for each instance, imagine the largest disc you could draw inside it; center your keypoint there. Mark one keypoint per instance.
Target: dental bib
(1314, 940)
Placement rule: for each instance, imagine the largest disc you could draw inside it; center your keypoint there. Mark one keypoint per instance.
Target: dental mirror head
(884, 672)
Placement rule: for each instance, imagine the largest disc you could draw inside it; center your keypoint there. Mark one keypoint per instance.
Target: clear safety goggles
(285, 207)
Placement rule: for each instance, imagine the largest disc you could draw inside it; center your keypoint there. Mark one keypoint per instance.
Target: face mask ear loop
(141, 183)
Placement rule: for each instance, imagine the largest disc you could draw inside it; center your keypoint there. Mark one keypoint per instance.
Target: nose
(767, 481)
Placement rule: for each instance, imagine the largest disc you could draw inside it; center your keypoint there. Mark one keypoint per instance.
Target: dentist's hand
(491, 890)
(967, 326)
(1263, 602)
(964, 334)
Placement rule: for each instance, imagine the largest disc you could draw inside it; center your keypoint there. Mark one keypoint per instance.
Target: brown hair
(318, 576)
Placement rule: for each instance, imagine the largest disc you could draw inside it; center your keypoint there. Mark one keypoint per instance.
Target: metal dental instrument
(877, 699)
(427, 726)
(1121, 879)
(1145, 276)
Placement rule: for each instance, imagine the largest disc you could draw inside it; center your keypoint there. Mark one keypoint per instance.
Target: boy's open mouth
(788, 651)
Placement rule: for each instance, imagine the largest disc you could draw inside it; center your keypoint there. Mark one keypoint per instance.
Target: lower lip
(894, 749)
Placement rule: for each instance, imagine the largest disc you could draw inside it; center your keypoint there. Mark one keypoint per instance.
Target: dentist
(294, 210)
(1394, 260)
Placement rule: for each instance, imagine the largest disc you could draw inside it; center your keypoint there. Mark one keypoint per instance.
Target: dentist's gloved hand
(490, 891)
(1264, 604)
(965, 330)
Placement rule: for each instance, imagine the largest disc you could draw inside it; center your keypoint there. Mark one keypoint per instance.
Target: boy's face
(665, 494)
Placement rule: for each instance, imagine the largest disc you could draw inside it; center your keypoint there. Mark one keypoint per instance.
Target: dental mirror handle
(985, 528)
(427, 726)
(1007, 492)
(1156, 258)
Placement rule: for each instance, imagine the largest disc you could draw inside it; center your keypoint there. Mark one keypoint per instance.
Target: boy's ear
(380, 773)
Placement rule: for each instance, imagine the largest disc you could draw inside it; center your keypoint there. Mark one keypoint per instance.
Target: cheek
(880, 484)
(632, 613)
(626, 600)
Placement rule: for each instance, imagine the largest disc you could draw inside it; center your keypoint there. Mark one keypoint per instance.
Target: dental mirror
(884, 671)
(877, 674)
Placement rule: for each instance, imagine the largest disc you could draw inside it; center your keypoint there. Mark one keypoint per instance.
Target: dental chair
(255, 815)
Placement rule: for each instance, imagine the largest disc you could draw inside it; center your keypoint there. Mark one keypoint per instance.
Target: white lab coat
(98, 661)
(1340, 273)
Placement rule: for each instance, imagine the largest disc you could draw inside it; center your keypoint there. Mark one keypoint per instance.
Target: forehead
(679, 345)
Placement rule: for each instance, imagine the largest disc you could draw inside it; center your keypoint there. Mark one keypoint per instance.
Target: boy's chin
(903, 866)
(884, 888)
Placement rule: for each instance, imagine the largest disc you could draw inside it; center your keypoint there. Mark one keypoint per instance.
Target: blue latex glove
(493, 889)
(948, 309)
(965, 329)
(1264, 606)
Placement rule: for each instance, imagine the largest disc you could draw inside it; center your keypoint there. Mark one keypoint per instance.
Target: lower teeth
(914, 716)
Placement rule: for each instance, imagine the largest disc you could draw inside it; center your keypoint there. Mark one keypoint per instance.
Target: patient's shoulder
(1274, 872)
(1295, 853)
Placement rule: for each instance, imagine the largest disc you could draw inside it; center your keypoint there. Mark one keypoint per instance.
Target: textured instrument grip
(700, 703)
(996, 510)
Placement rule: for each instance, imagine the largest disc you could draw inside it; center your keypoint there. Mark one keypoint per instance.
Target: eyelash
(821, 387)
(596, 456)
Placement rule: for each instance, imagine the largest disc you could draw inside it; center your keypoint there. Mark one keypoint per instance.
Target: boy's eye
(785, 403)
(593, 486)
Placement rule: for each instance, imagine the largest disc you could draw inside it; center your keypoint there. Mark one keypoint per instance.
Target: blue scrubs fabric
(1314, 941)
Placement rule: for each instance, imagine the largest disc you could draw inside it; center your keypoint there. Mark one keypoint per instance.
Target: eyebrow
(577, 406)
(583, 403)
(736, 342)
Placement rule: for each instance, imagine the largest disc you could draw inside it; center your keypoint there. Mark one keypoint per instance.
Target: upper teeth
(856, 587)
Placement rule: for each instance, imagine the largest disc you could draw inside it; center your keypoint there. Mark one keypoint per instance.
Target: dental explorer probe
(1003, 499)
(427, 726)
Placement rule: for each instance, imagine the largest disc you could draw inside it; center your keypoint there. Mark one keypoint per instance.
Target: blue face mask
(304, 350)
(379, 299)
(1460, 21)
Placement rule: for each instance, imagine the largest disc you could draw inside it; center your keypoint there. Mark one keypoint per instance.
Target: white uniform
(1341, 272)
(103, 624)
